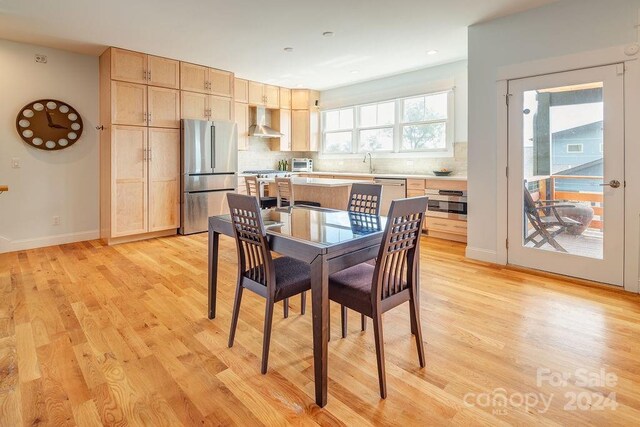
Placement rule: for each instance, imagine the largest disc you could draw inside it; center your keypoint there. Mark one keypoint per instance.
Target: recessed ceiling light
(300, 85)
(328, 34)
(432, 52)
(354, 71)
(288, 49)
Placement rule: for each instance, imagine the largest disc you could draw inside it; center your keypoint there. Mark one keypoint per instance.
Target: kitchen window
(421, 123)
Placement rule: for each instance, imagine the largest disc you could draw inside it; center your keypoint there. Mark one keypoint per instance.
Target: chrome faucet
(370, 161)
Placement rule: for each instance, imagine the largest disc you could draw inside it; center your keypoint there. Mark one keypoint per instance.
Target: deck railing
(549, 190)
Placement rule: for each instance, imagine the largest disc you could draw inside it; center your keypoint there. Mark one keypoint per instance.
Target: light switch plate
(15, 163)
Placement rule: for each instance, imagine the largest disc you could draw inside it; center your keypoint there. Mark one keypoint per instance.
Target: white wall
(562, 28)
(412, 83)
(61, 183)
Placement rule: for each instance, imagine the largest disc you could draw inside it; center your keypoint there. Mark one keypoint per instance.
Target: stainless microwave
(301, 165)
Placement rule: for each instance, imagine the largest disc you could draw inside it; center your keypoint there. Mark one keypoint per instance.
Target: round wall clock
(49, 124)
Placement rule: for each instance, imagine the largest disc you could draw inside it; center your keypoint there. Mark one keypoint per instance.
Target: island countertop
(315, 182)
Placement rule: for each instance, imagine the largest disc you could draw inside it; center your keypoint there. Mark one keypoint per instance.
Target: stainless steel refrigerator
(209, 171)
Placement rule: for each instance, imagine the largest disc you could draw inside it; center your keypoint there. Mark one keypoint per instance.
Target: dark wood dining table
(329, 240)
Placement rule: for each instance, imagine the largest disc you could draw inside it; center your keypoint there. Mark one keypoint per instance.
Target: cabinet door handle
(149, 153)
(149, 75)
(144, 154)
(144, 75)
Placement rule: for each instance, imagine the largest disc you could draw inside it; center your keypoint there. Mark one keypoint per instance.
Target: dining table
(329, 240)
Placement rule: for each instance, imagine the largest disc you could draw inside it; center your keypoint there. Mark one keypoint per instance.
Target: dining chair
(253, 189)
(284, 193)
(394, 280)
(363, 199)
(273, 279)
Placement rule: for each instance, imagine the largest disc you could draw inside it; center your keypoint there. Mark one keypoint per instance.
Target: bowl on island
(443, 172)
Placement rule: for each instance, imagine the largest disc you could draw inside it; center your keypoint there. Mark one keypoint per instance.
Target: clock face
(49, 125)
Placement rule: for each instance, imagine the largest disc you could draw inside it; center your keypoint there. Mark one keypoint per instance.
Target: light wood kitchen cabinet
(415, 187)
(163, 157)
(194, 105)
(136, 67)
(281, 121)
(305, 130)
(242, 120)
(163, 72)
(128, 66)
(220, 82)
(128, 103)
(194, 77)
(271, 96)
(285, 98)
(164, 107)
(241, 90)
(198, 78)
(128, 180)
(256, 94)
(220, 108)
(304, 99)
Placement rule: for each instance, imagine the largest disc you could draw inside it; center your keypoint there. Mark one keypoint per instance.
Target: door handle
(614, 183)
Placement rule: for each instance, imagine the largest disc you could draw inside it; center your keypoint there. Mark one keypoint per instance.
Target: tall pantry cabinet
(139, 145)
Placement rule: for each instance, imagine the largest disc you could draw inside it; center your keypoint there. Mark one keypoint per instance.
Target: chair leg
(377, 331)
(268, 321)
(329, 325)
(303, 302)
(343, 320)
(415, 320)
(363, 322)
(286, 307)
(235, 314)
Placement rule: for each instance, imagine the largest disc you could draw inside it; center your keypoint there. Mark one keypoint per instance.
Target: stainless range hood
(260, 129)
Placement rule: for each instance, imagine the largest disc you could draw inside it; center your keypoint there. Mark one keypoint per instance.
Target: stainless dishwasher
(392, 188)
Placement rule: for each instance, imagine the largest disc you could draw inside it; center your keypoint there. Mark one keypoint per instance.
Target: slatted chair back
(253, 186)
(254, 256)
(284, 189)
(400, 246)
(365, 198)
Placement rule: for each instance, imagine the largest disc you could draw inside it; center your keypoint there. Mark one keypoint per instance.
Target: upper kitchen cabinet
(304, 99)
(194, 105)
(128, 66)
(197, 78)
(163, 72)
(128, 103)
(194, 78)
(164, 107)
(256, 93)
(262, 95)
(285, 98)
(220, 108)
(305, 120)
(220, 83)
(136, 67)
(241, 90)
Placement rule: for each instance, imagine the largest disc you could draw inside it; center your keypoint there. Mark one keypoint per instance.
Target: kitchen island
(330, 193)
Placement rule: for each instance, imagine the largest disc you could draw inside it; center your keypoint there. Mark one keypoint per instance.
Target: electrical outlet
(41, 59)
(56, 220)
(15, 163)
(409, 162)
(340, 163)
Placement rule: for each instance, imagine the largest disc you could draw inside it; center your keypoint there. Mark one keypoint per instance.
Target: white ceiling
(373, 38)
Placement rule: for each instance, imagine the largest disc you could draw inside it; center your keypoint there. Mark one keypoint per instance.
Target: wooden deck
(92, 335)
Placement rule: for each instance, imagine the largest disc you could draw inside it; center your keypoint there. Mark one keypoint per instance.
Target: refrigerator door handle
(213, 147)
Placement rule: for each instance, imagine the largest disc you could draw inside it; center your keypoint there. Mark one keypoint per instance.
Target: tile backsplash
(262, 156)
(418, 166)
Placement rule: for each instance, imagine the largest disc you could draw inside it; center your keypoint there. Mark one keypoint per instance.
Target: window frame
(397, 129)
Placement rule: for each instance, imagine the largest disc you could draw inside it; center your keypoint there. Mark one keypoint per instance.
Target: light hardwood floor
(118, 335)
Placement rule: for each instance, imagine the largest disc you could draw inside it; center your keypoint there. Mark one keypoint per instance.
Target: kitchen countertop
(391, 175)
(315, 182)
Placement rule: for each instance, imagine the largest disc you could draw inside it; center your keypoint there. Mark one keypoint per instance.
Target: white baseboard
(479, 254)
(7, 245)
